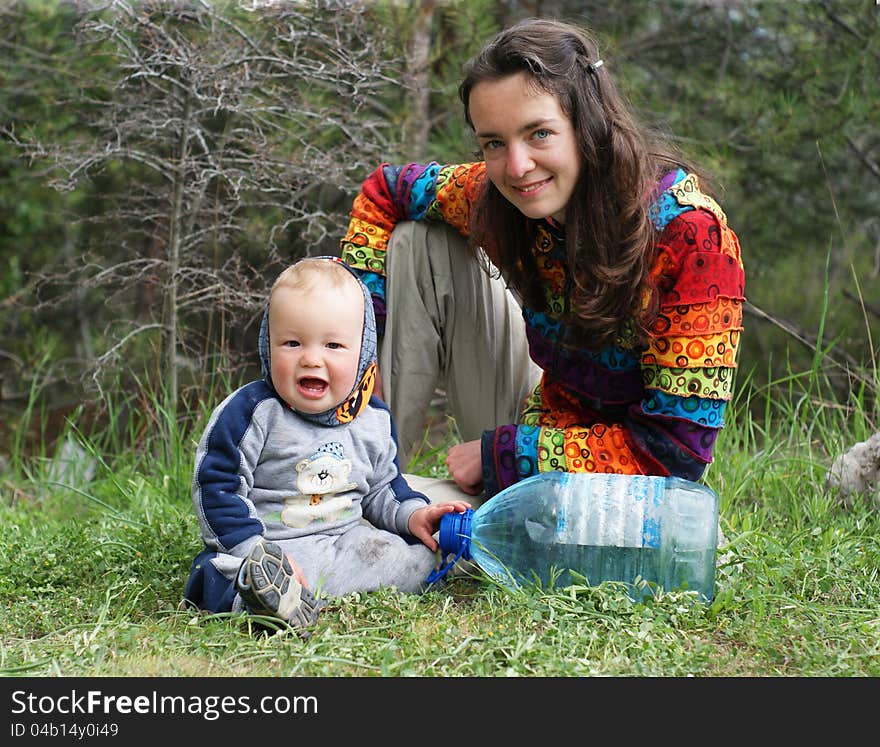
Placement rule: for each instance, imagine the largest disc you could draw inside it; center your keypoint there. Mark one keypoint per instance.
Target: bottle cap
(455, 533)
(454, 538)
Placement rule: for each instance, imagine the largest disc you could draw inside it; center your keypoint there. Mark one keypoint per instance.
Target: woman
(629, 279)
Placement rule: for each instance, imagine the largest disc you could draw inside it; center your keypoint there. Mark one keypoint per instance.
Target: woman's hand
(424, 522)
(465, 464)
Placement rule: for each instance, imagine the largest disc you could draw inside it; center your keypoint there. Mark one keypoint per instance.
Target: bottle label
(611, 511)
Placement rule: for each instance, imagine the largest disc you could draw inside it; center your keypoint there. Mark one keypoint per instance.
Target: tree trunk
(418, 82)
(175, 225)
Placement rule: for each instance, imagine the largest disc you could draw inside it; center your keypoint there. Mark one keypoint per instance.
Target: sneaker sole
(270, 586)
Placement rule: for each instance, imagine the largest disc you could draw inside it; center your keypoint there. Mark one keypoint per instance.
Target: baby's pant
(364, 558)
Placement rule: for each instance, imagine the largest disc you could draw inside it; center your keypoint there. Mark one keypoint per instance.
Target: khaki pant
(450, 326)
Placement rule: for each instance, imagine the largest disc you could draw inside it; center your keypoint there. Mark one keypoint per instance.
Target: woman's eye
(541, 134)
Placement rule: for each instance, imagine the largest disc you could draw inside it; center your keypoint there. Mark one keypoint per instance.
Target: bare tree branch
(211, 136)
(838, 359)
(872, 167)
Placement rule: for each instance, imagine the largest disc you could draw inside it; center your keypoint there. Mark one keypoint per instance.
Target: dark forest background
(161, 161)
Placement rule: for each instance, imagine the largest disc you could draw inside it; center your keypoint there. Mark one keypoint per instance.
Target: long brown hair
(609, 237)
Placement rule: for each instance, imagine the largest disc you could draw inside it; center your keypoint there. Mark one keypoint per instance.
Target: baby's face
(315, 344)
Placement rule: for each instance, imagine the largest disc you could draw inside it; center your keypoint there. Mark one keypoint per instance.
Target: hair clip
(594, 66)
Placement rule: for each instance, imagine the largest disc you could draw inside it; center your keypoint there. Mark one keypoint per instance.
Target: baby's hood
(359, 396)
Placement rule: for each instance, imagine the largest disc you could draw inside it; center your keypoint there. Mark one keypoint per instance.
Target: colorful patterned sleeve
(689, 366)
(393, 194)
(657, 411)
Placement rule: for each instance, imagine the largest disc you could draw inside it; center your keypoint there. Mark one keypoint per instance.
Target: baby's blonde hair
(305, 273)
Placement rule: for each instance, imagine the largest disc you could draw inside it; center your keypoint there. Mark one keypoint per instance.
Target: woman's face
(528, 143)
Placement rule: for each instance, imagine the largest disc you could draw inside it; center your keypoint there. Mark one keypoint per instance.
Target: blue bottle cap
(455, 533)
(454, 537)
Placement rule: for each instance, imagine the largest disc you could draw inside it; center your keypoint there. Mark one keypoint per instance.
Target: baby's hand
(424, 522)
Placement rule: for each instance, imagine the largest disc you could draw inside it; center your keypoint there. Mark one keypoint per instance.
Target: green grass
(93, 577)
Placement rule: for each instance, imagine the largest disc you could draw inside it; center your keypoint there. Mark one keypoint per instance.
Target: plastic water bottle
(602, 527)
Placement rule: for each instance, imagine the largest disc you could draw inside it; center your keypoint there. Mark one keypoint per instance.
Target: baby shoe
(268, 586)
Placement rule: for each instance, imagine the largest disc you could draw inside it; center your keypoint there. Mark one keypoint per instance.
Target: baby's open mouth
(312, 387)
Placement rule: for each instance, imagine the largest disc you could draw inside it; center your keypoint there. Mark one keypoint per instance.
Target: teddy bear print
(320, 479)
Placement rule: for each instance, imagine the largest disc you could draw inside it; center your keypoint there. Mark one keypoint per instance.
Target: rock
(71, 465)
(857, 472)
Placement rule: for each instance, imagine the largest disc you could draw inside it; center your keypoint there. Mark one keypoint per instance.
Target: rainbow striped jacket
(652, 407)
